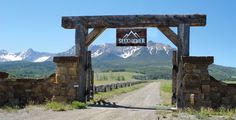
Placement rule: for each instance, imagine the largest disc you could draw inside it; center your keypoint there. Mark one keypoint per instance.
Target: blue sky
(37, 24)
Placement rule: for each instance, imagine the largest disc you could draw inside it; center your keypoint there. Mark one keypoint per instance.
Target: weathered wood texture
(93, 35)
(81, 51)
(183, 33)
(183, 50)
(89, 76)
(92, 85)
(174, 76)
(70, 22)
(171, 35)
(183, 40)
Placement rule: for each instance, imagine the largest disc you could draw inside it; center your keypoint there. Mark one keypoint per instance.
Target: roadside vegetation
(221, 113)
(116, 92)
(107, 77)
(166, 92)
(61, 106)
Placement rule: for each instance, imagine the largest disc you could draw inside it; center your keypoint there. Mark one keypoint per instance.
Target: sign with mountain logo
(131, 37)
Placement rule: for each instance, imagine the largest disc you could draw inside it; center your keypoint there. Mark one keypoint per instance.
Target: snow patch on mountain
(107, 49)
(42, 59)
(96, 54)
(129, 52)
(10, 57)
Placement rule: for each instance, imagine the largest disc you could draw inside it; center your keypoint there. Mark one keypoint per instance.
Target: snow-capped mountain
(152, 49)
(107, 50)
(29, 55)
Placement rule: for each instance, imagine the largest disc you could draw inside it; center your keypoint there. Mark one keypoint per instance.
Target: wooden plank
(93, 35)
(81, 51)
(171, 35)
(119, 21)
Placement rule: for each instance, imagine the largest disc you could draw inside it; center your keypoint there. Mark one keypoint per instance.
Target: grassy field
(112, 77)
(120, 76)
(116, 92)
(166, 91)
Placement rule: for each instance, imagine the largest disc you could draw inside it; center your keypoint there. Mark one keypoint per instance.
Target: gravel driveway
(137, 105)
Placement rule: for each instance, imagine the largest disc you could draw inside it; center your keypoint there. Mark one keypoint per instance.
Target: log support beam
(94, 34)
(171, 35)
(81, 51)
(183, 50)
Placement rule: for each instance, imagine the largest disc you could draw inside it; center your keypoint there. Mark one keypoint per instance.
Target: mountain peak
(108, 50)
(30, 50)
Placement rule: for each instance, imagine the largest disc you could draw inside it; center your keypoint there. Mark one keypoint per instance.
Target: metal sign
(131, 37)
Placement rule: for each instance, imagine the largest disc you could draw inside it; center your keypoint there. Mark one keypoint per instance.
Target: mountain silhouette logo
(131, 37)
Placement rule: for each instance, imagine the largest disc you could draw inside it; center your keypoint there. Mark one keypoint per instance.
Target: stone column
(196, 81)
(67, 78)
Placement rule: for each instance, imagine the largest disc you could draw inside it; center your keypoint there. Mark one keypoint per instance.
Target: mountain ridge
(153, 61)
(97, 51)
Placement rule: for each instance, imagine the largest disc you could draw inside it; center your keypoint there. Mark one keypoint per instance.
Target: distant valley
(153, 61)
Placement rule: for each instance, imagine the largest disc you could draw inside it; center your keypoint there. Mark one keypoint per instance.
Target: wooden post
(92, 84)
(80, 37)
(89, 70)
(183, 50)
(174, 76)
(183, 34)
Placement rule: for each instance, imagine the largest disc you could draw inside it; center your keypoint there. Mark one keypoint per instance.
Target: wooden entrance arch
(83, 39)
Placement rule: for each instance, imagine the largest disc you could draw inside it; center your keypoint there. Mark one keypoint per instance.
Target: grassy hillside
(28, 69)
(125, 69)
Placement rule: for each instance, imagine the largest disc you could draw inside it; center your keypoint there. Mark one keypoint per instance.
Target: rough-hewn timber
(174, 76)
(93, 35)
(81, 51)
(171, 35)
(70, 22)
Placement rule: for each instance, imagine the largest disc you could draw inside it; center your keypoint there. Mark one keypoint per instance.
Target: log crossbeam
(93, 35)
(119, 21)
(171, 35)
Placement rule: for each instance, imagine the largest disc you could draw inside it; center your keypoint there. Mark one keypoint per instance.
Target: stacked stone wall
(202, 90)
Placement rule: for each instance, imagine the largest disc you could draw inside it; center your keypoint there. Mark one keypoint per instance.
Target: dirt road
(136, 105)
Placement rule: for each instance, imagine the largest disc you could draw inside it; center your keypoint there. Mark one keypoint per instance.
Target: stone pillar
(196, 81)
(66, 78)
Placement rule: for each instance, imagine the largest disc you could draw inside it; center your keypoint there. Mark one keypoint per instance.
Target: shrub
(78, 105)
(58, 106)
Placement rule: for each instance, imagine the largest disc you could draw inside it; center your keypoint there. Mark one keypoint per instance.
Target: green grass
(58, 106)
(100, 82)
(78, 105)
(62, 106)
(205, 113)
(166, 91)
(115, 92)
(114, 76)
